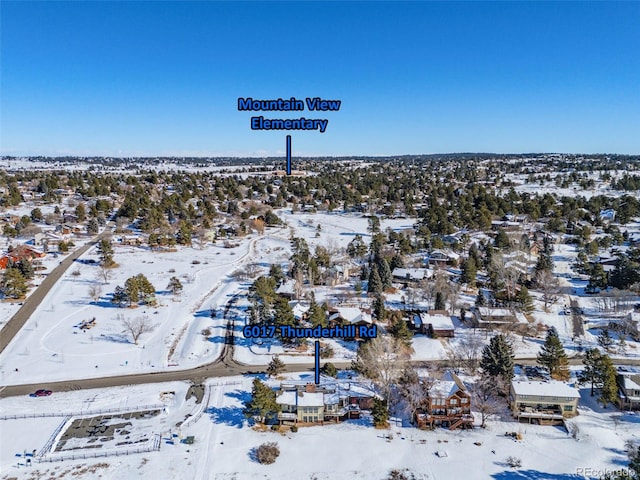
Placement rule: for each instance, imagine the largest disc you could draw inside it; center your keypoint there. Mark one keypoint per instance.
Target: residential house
(448, 404)
(21, 252)
(628, 390)
(442, 257)
(287, 289)
(330, 401)
(409, 276)
(543, 403)
(490, 317)
(349, 316)
(438, 323)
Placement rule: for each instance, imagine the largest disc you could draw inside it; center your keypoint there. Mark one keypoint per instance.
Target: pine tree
(469, 271)
(275, 367)
(375, 283)
(330, 370)
(316, 315)
(524, 300)
(380, 413)
(132, 288)
(591, 371)
(385, 273)
(398, 328)
(396, 262)
(175, 285)
(379, 310)
(498, 358)
(283, 315)
(262, 403)
(502, 240)
(553, 357)
(604, 339)
(13, 283)
(609, 387)
(439, 303)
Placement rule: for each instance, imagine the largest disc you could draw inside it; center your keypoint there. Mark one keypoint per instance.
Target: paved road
(225, 366)
(13, 326)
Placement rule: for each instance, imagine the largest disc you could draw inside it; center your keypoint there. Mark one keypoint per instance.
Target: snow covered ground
(224, 442)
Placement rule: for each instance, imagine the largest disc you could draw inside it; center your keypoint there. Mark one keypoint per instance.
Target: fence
(154, 446)
(84, 413)
(47, 446)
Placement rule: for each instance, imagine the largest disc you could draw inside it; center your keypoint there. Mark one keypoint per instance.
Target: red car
(42, 393)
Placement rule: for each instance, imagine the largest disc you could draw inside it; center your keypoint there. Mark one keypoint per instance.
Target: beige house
(304, 407)
(543, 403)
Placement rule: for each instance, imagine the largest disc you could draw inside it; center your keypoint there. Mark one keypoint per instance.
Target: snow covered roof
(409, 273)
(552, 388)
(629, 383)
(303, 399)
(299, 310)
(351, 315)
(287, 287)
(438, 322)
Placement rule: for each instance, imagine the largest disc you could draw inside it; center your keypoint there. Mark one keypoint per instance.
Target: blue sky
(163, 78)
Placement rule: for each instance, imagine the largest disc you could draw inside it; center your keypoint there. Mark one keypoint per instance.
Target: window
(464, 400)
(453, 401)
(568, 408)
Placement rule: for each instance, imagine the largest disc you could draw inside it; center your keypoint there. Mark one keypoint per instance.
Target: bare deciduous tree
(105, 274)
(95, 290)
(138, 326)
(549, 285)
(383, 359)
(485, 398)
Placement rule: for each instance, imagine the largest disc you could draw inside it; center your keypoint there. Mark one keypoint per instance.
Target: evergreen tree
(502, 240)
(275, 272)
(106, 253)
(592, 365)
(597, 278)
(132, 289)
(498, 358)
(385, 273)
(439, 303)
(13, 283)
(544, 263)
(469, 271)
(375, 283)
(480, 300)
(262, 403)
(609, 386)
(356, 247)
(605, 340)
(275, 367)
(330, 370)
(396, 262)
(524, 300)
(553, 357)
(380, 413)
(26, 268)
(119, 296)
(316, 315)
(283, 315)
(175, 285)
(398, 328)
(378, 309)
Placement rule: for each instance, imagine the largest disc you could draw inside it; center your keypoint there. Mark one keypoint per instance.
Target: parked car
(42, 393)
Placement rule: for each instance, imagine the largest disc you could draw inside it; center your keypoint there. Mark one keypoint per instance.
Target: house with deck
(543, 402)
(333, 401)
(448, 404)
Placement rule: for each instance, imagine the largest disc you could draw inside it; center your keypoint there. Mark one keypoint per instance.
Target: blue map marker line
(317, 362)
(289, 157)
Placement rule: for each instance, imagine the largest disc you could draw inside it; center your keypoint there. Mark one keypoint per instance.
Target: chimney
(310, 388)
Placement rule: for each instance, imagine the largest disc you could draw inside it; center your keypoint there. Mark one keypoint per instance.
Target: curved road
(18, 320)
